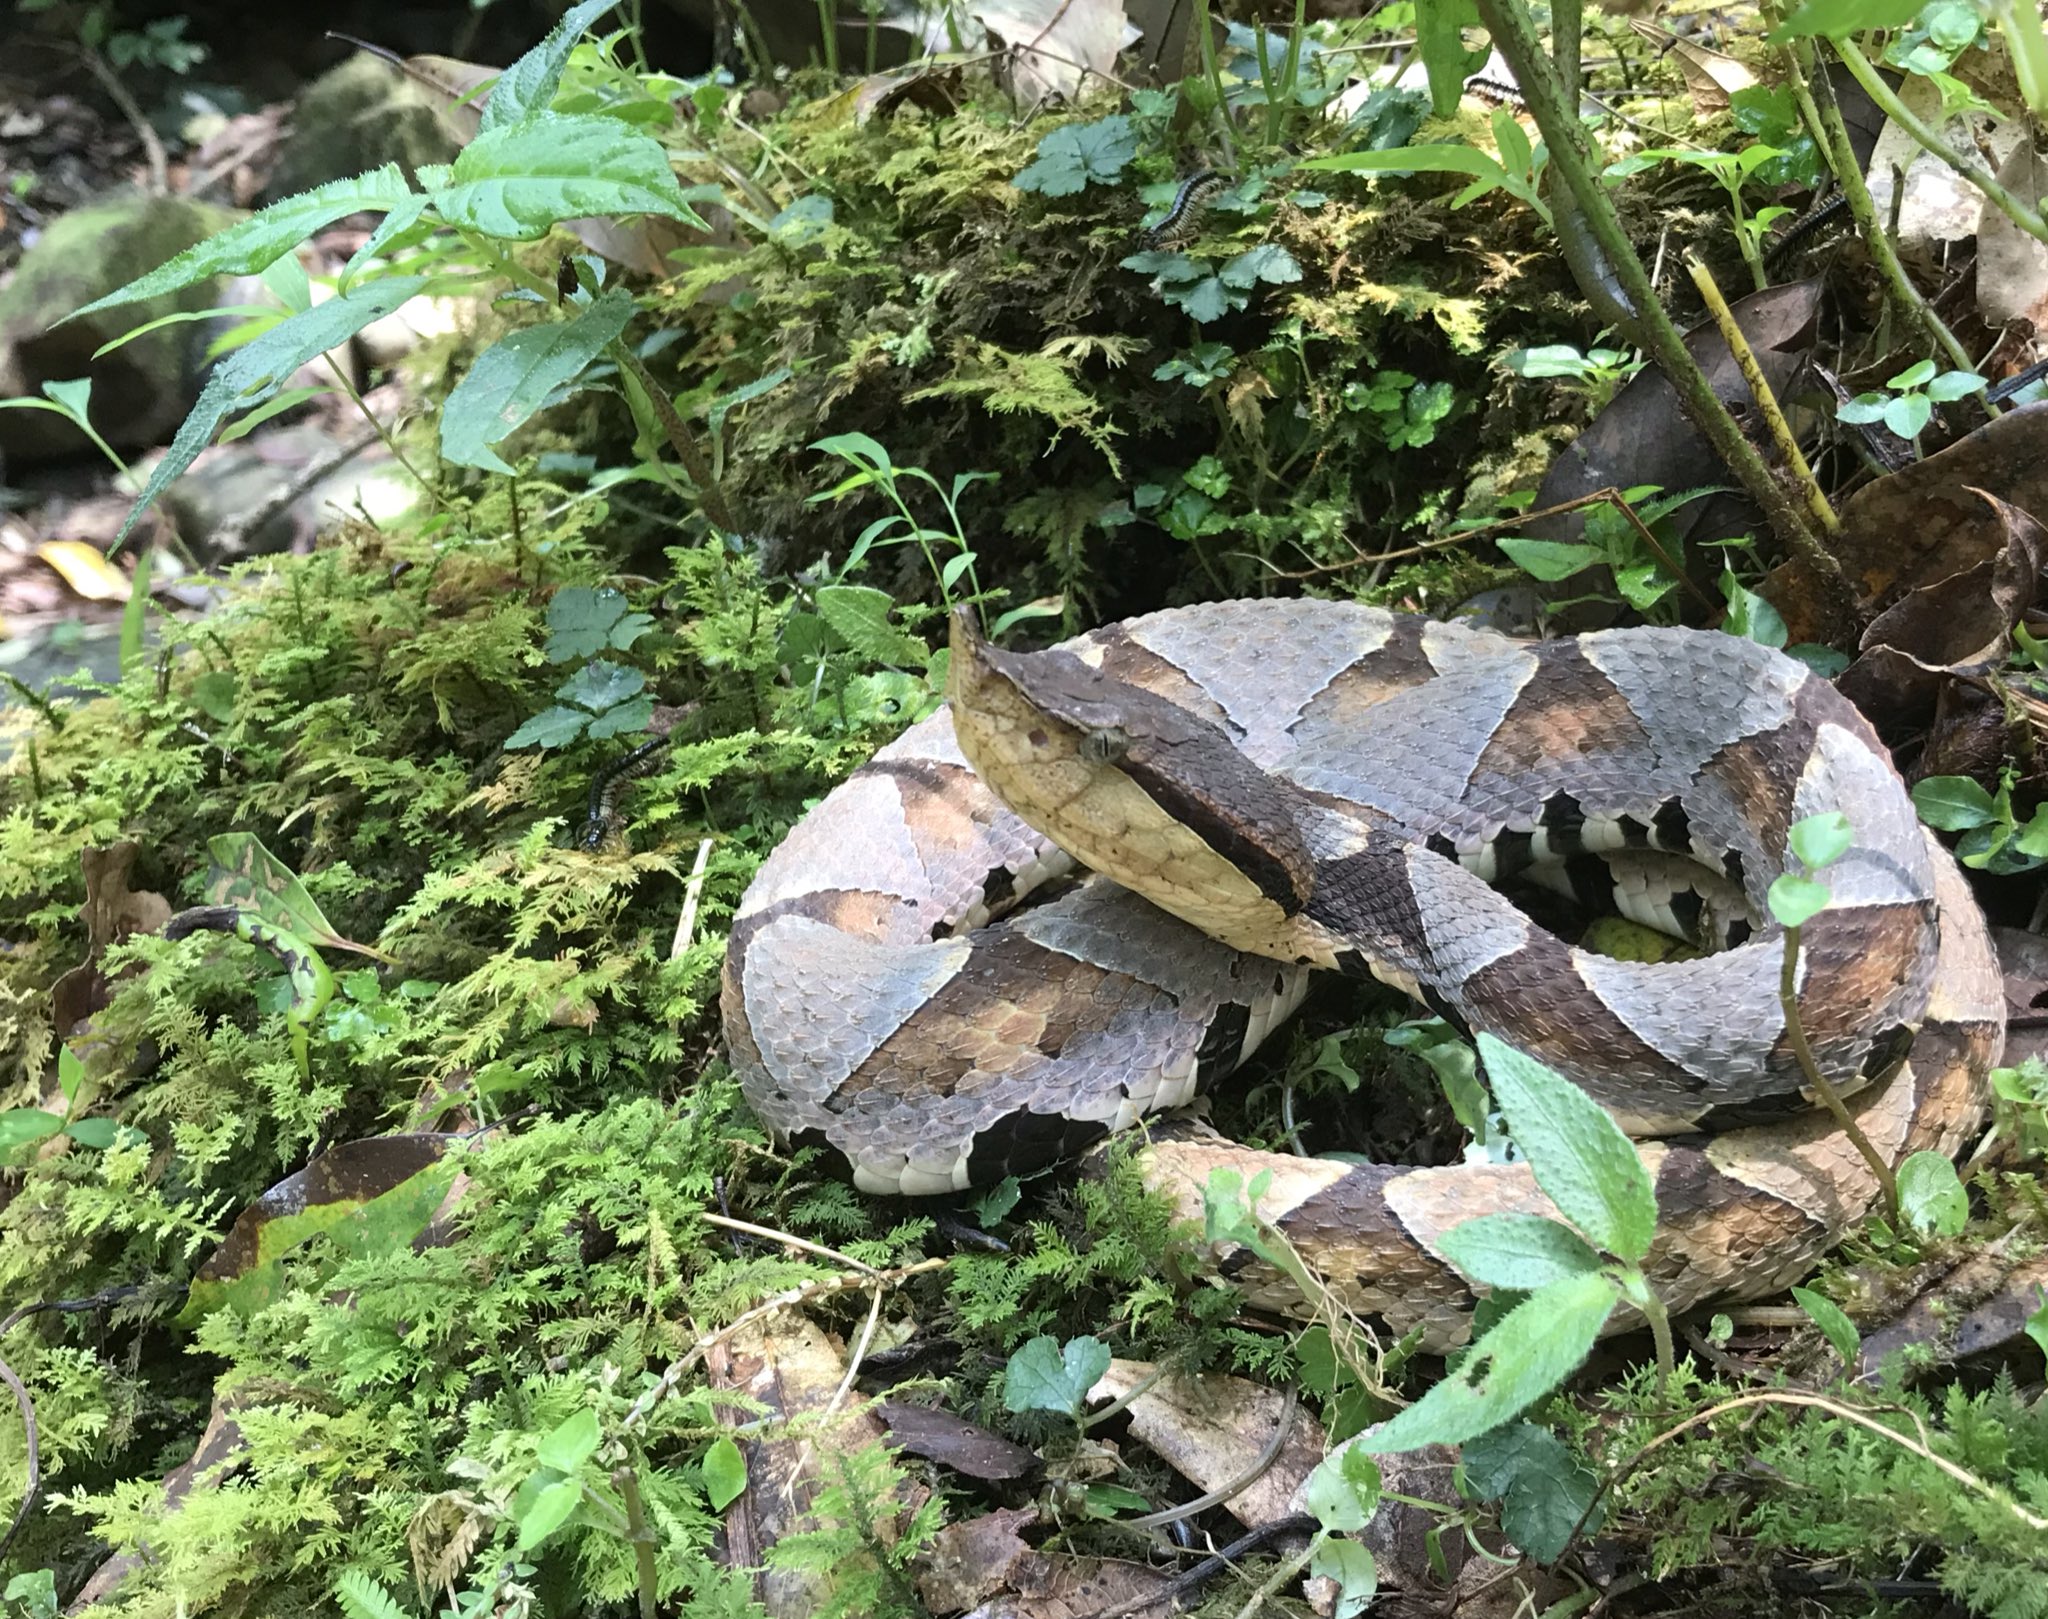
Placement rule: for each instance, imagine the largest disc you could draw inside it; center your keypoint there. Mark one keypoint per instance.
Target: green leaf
(1543, 1489)
(252, 244)
(1862, 410)
(1579, 1156)
(623, 720)
(1437, 159)
(1821, 840)
(1204, 300)
(248, 876)
(1953, 385)
(99, 1134)
(1044, 1377)
(1953, 803)
(521, 180)
(1440, 37)
(1268, 262)
(1344, 1490)
(571, 1443)
(358, 1596)
(548, 1511)
(1914, 376)
(1908, 414)
(1074, 155)
(259, 369)
(1931, 1195)
(528, 86)
(1540, 1343)
(70, 1074)
(859, 616)
(1523, 1251)
(2037, 1327)
(21, 1125)
(997, 1201)
(601, 684)
(1796, 900)
(135, 611)
(1356, 1575)
(1834, 1323)
(725, 1473)
(1749, 615)
(1830, 18)
(518, 374)
(1550, 560)
(553, 727)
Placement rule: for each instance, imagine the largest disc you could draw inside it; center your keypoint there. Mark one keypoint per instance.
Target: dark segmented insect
(1186, 211)
(1803, 230)
(599, 823)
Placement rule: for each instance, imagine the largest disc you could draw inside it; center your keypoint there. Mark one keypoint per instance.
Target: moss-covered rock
(358, 117)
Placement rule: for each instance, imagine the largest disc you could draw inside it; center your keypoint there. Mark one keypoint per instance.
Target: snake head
(1135, 787)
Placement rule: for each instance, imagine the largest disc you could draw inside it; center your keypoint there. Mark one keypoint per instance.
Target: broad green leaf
(213, 694)
(1344, 1490)
(1750, 615)
(1830, 18)
(1440, 37)
(1862, 410)
(1953, 385)
(1205, 300)
(1834, 1323)
(1357, 1577)
(725, 1473)
(21, 1125)
(623, 720)
(1540, 1343)
(571, 1443)
(1579, 1156)
(1821, 840)
(255, 243)
(1268, 262)
(2037, 1327)
(1074, 155)
(1914, 376)
(518, 374)
(99, 1134)
(369, 1197)
(859, 616)
(1931, 1195)
(1953, 803)
(553, 727)
(583, 622)
(601, 684)
(1523, 1251)
(1543, 1489)
(529, 84)
(1438, 159)
(521, 180)
(1044, 1377)
(1551, 560)
(259, 369)
(1796, 901)
(70, 1074)
(1908, 414)
(549, 1510)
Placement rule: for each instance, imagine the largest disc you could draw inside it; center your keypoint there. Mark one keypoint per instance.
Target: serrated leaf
(1074, 155)
(1269, 262)
(553, 727)
(518, 374)
(1533, 1349)
(1953, 803)
(1043, 1376)
(1834, 1324)
(1344, 1490)
(1931, 1195)
(1543, 1489)
(571, 1442)
(623, 720)
(725, 1473)
(1579, 1156)
(528, 86)
(601, 684)
(253, 244)
(259, 369)
(580, 622)
(1523, 1251)
(1205, 300)
(859, 616)
(521, 180)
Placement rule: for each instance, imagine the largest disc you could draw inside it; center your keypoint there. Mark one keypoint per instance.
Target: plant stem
(1514, 34)
(709, 495)
(1888, 102)
(1760, 390)
(1788, 998)
(1205, 36)
(1815, 97)
(627, 1482)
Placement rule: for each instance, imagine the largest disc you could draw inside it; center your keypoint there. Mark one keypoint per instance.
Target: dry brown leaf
(1211, 1429)
(1711, 76)
(971, 1562)
(2012, 267)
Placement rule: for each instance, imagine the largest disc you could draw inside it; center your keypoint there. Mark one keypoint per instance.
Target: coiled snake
(1316, 784)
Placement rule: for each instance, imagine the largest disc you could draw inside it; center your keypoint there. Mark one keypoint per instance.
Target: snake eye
(1104, 745)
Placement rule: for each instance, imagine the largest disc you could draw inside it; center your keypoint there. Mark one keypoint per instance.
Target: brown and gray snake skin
(1336, 786)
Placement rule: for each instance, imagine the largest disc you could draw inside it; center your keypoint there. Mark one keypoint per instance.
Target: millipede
(599, 823)
(1186, 211)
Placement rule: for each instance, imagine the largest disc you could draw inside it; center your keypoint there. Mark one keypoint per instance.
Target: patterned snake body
(1317, 784)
